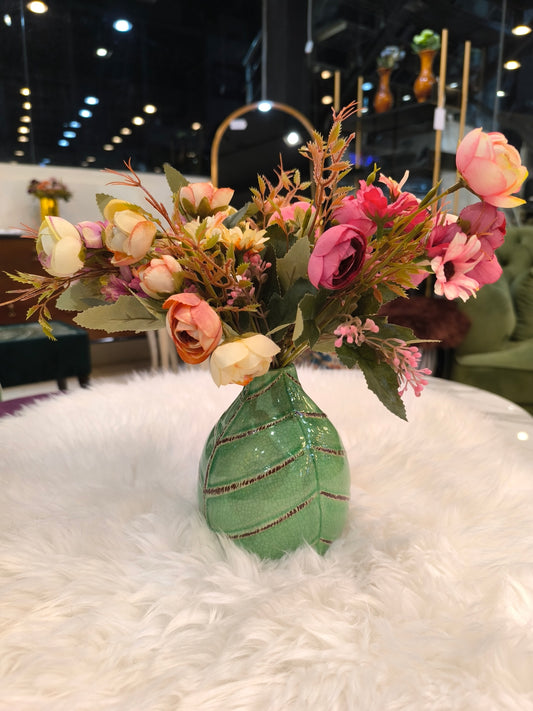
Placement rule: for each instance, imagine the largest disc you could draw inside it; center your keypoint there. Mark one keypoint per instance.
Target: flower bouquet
(302, 266)
(49, 188)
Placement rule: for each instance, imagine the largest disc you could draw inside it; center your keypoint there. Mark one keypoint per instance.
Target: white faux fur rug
(114, 594)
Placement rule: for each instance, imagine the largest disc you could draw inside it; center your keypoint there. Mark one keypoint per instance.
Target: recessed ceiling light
(85, 113)
(238, 124)
(521, 30)
(137, 120)
(367, 86)
(74, 124)
(25, 119)
(108, 147)
(26, 105)
(23, 129)
(500, 92)
(7, 21)
(91, 159)
(23, 139)
(25, 91)
(37, 7)
(512, 64)
(69, 134)
(292, 138)
(19, 153)
(63, 143)
(116, 139)
(149, 109)
(406, 97)
(264, 106)
(102, 52)
(125, 131)
(91, 100)
(325, 74)
(196, 126)
(327, 99)
(122, 25)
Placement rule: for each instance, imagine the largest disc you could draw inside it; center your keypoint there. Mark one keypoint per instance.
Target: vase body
(425, 81)
(273, 473)
(48, 206)
(383, 99)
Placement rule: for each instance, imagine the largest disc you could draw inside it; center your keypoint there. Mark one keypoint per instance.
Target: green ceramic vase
(273, 473)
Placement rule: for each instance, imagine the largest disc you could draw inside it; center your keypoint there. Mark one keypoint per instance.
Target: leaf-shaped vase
(273, 473)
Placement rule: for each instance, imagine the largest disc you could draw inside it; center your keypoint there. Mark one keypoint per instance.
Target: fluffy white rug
(114, 594)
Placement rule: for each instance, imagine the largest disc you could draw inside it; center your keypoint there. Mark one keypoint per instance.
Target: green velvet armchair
(497, 352)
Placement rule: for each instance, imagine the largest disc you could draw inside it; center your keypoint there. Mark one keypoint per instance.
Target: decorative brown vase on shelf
(383, 99)
(49, 206)
(426, 79)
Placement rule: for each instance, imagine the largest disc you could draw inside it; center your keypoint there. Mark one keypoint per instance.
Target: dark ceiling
(187, 59)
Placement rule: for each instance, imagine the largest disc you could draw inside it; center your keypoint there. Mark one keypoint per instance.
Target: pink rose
(159, 277)
(91, 233)
(202, 199)
(491, 167)
(193, 325)
(338, 256)
(486, 222)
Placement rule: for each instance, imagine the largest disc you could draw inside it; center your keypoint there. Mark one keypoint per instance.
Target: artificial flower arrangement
(49, 188)
(427, 39)
(303, 265)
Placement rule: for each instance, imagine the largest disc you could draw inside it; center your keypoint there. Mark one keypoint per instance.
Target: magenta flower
(337, 258)
(486, 222)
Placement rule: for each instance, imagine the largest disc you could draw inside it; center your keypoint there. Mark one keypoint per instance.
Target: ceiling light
(7, 21)
(292, 138)
(196, 126)
(37, 7)
(264, 106)
(238, 124)
(500, 92)
(102, 52)
(327, 99)
(69, 134)
(23, 129)
(85, 113)
(512, 64)
(367, 86)
(26, 105)
(116, 139)
(90, 159)
(25, 91)
(19, 153)
(122, 25)
(137, 120)
(63, 143)
(108, 147)
(325, 74)
(74, 124)
(91, 100)
(149, 109)
(453, 85)
(406, 97)
(125, 131)
(521, 30)
(23, 139)
(25, 119)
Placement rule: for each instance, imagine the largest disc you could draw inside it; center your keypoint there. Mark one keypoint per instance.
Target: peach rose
(202, 199)
(242, 360)
(158, 278)
(193, 325)
(129, 235)
(491, 167)
(59, 247)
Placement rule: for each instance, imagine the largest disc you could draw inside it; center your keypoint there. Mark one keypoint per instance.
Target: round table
(115, 594)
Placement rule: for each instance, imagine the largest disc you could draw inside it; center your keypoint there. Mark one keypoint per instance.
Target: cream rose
(158, 279)
(129, 235)
(242, 360)
(59, 247)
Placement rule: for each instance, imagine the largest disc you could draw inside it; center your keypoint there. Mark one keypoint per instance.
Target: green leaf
(379, 376)
(102, 199)
(245, 211)
(128, 313)
(282, 309)
(79, 296)
(175, 179)
(293, 265)
(305, 328)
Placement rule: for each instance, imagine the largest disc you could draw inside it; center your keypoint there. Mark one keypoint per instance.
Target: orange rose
(491, 167)
(194, 327)
(202, 199)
